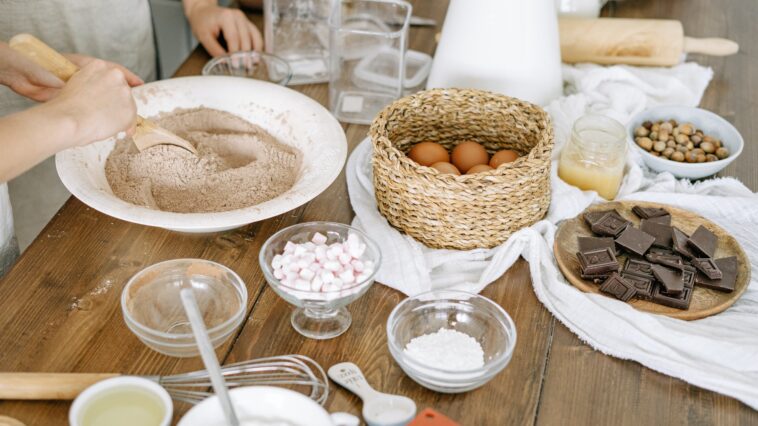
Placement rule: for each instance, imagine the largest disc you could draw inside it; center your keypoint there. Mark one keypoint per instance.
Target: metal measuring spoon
(379, 409)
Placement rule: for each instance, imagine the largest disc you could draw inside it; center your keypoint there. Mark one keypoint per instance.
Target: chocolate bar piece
(635, 241)
(662, 233)
(648, 212)
(672, 281)
(679, 240)
(610, 225)
(704, 241)
(660, 250)
(728, 267)
(592, 217)
(639, 268)
(595, 243)
(596, 262)
(688, 277)
(663, 220)
(670, 260)
(681, 301)
(643, 286)
(707, 266)
(618, 288)
(596, 278)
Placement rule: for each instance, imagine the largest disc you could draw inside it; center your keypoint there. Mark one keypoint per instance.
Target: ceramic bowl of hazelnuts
(687, 142)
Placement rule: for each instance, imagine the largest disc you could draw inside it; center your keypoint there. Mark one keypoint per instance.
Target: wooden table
(59, 306)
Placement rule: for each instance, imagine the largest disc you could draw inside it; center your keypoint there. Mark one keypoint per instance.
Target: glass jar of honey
(594, 158)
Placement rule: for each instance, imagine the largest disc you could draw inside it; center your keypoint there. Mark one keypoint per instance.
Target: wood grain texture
(705, 302)
(59, 308)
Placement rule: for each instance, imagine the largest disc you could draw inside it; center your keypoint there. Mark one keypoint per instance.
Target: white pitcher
(505, 46)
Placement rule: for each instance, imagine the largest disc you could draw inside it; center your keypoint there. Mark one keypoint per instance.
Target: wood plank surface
(59, 306)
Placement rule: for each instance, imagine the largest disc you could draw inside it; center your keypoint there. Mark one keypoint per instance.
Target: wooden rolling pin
(649, 42)
(147, 133)
(39, 386)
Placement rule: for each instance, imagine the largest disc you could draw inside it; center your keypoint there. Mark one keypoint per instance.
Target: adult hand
(82, 60)
(25, 77)
(99, 100)
(208, 21)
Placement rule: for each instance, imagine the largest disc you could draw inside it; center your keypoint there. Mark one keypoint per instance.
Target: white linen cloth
(719, 353)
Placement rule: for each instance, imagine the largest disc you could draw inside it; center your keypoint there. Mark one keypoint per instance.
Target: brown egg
(503, 156)
(479, 168)
(469, 154)
(444, 167)
(428, 153)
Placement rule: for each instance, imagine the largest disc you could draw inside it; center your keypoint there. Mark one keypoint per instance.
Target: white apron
(120, 31)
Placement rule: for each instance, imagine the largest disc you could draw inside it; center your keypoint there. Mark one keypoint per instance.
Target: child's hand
(208, 20)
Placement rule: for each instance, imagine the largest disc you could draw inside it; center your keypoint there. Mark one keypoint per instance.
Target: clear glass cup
(255, 65)
(319, 314)
(298, 32)
(595, 155)
(469, 313)
(367, 53)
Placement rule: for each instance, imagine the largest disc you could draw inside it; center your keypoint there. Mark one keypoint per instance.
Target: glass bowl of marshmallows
(320, 267)
(450, 341)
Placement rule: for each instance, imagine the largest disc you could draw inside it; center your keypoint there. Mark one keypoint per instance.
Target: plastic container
(153, 310)
(469, 313)
(367, 39)
(260, 66)
(319, 315)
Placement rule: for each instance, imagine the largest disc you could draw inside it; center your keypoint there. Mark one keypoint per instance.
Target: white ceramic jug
(505, 46)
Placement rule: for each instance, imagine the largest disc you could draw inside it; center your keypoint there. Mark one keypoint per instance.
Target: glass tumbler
(367, 52)
(298, 32)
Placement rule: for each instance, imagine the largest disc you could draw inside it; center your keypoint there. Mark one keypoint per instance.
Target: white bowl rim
(721, 163)
(241, 292)
(501, 359)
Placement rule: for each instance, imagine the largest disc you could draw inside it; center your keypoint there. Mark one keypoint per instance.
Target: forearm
(30, 136)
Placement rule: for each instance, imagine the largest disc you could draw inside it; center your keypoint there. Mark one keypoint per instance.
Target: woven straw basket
(469, 211)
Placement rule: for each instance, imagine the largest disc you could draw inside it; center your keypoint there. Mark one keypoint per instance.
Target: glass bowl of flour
(450, 341)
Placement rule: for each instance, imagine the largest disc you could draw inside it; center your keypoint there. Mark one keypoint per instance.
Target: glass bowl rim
(218, 59)
(239, 286)
(454, 375)
(270, 278)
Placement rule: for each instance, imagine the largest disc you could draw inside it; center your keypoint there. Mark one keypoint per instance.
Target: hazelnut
(722, 153)
(663, 135)
(690, 145)
(707, 138)
(659, 146)
(701, 158)
(641, 131)
(653, 135)
(666, 127)
(698, 151)
(711, 157)
(696, 138)
(678, 156)
(691, 157)
(647, 125)
(656, 154)
(686, 129)
(645, 143)
(671, 144)
(667, 152)
(655, 127)
(675, 132)
(682, 149)
(673, 123)
(716, 143)
(708, 147)
(680, 138)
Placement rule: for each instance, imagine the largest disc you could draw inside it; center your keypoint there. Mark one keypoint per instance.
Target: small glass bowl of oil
(122, 401)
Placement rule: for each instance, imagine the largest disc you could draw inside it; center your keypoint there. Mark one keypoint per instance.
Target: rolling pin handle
(711, 46)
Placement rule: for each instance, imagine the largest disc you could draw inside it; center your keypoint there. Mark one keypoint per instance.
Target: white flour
(446, 349)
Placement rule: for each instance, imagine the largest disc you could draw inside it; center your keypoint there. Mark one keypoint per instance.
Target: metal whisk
(296, 371)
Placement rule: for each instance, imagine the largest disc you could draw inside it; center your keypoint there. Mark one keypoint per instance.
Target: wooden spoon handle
(44, 55)
(711, 46)
(37, 386)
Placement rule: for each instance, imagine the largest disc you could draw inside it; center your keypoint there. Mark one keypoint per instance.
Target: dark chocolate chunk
(688, 277)
(610, 225)
(662, 233)
(670, 260)
(704, 241)
(679, 240)
(648, 212)
(643, 286)
(595, 243)
(635, 241)
(680, 301)
(618, 288)
(659, 250)
(595, 262)
(671, 280)
(592, 217)
(663, 220)
(707, 266)
(596, 278)
(639, 268)
(728, 267)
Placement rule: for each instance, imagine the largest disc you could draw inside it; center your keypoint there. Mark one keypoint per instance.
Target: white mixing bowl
(291, 117)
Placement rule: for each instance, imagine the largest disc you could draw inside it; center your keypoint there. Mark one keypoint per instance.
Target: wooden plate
(705, 302)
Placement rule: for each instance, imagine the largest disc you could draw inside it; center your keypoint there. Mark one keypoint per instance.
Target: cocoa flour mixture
(238, 165)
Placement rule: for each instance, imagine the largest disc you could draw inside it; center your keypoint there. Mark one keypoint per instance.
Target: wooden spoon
(147, 133)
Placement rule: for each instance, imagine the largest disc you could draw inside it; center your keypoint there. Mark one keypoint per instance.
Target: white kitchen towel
(718, 353)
